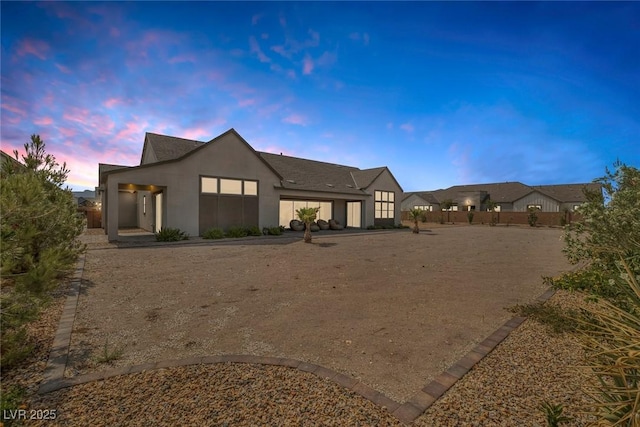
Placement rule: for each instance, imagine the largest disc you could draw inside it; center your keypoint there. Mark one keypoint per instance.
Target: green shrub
(275, 231)
(213, 233)
(532, 218)
(470, 217)
(18, 308)
(171, 235)
(553, 414)
(236, 232)
(254, 231)
(11, 399)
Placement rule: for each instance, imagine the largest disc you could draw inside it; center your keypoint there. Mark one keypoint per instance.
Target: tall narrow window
(144, 205)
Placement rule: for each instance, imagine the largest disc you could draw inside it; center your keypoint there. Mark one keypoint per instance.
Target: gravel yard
(392, 309)
(405, 308)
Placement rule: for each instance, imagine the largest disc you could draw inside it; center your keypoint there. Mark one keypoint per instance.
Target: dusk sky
(441, 93)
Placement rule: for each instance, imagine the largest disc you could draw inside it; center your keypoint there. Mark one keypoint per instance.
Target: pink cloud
(255, 19)
(264, 36)
(246, 102)
(291, 74)
(43, 121)
(307, 65)
(197, 134)
(283, 21)
(407, 127)
(389, 125)
(296, 119)
(255, 49)
(67, 132)
(63, 69)
(326, 59)
(365, 39)
(111, 102)
(186, 57)
(114, 32)
(38, 48)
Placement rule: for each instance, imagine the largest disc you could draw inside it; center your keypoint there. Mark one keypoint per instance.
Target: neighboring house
(508, 196)
(86, 198)
(194, 185)
(8, 160)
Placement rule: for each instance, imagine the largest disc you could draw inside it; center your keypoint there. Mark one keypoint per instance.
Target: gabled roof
(168, 147)
(427, 196)
(509, 192)
(502, 192)
(303, 174)
(568, 192)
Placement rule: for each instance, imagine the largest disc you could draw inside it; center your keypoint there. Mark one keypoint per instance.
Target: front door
(354, 214)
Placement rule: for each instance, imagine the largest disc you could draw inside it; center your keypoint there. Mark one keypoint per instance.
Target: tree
(491, 207)
(39, 223)
(446, 206)
(416, 214)
(307, 216)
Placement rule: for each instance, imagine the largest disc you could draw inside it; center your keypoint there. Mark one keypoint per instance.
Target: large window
(288, 210)
(210, 185)
(384, 204)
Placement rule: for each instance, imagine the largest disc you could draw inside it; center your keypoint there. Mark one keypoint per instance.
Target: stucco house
(195, 185)
(508, 196)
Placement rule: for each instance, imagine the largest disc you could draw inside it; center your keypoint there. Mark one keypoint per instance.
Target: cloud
(255, 19)
(43, 121)
(255, 49)
(407, 127)
(246, 102)
(63, 69)
(183, 57)
(364, 37)
(296, 119)
(389, 125)
(37, 48)
(307, 65)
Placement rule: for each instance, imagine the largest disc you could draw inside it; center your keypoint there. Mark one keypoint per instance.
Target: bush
(18, 308)
(607, 233)
(236, 232)
(254, 231)
(532, 218)
(171, 235)
(275, 231)
(213, 233)
(470, 217)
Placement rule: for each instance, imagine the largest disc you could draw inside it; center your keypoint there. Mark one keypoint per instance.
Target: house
(195, 185)
(507, 196)
(7, 161)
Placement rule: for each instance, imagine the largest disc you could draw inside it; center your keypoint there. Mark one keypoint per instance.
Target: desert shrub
(532, 217)
(612, 343)
(553, 414)
(213, 233)
(609, 231)
(169, 234)
(275, 231)
(236, 232)
(18, 308)
(253, 231)
(11, 399)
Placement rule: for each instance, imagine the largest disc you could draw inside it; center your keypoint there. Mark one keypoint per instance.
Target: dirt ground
(390, 308)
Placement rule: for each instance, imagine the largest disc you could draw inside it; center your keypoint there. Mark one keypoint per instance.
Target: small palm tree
(307, 215)
(416, 214)
(446, 206)
(491, 207)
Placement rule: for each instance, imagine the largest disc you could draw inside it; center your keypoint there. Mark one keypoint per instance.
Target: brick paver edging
(406, 412)
(59, 354)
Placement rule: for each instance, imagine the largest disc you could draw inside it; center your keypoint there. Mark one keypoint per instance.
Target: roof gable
(166, 147)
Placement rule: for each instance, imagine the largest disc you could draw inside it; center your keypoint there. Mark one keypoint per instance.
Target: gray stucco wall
(227, 157)
(384, 182)
(127, 215)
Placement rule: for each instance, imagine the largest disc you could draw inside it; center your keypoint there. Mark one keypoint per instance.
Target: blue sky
(441, 93)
